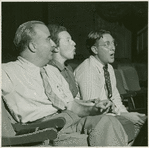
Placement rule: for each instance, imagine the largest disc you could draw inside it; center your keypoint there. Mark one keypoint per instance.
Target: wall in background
(13, 15)
(80, 19)
(142, 36)
(121, 34)
(77, 18)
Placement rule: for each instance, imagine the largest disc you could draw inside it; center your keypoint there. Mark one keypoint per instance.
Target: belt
(42, 119)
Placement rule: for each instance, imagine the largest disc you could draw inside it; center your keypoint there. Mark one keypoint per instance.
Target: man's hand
(69, 105)
(82, 108)
(134, 117)
(91, 107)
(104, 105)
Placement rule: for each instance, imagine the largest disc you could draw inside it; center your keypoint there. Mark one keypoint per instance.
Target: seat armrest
(57, 123)
(38, 136)
(128, 94)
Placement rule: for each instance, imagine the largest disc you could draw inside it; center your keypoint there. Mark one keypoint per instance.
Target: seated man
(95, 76)
(65, 50)
(36, 92)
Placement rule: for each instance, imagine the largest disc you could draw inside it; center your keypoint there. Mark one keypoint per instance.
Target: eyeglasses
(108, 44)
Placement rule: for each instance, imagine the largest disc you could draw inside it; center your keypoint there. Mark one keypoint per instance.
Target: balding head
(24, 34)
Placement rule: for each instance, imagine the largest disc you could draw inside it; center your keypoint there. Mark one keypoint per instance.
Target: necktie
(107, 81)
(48, 91)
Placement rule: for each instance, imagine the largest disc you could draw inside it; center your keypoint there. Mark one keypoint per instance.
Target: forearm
(124, 114)
(82, 108)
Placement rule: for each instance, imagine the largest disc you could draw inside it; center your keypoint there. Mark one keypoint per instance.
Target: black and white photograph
(74, 73)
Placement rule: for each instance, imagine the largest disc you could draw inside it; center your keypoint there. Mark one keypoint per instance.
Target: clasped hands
(104, 106)
(90, 107)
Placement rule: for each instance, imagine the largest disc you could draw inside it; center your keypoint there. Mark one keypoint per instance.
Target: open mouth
(74, 51)
(112, 54)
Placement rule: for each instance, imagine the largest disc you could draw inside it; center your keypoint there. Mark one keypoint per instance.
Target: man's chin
(71, 58)
(111, 61)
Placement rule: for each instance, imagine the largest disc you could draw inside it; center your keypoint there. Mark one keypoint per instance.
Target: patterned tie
(50, 94)
(107, 81)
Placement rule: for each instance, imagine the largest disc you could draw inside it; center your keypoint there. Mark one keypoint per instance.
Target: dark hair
(55, 29)
(93, 37)
(25, 34)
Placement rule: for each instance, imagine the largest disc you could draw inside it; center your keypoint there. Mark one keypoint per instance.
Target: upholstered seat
(129, 87)
(39, 133)
(127, 97)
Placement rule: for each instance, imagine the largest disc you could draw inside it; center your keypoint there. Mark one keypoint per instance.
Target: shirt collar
(27, 65)
(97, 63)
(58, 65)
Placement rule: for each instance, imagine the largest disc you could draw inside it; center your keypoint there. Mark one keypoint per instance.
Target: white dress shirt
(23, 91)
(91, 82)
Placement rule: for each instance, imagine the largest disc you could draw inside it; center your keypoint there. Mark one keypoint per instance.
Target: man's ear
(56, 50)
(94, 49)
(32, 47)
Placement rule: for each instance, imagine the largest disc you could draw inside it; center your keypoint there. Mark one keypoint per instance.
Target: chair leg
(133, 103)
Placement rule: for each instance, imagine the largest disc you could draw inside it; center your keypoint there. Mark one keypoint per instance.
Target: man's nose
(73, 43)
(112, 48)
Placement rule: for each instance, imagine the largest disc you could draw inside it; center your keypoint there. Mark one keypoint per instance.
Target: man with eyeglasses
(96, 79)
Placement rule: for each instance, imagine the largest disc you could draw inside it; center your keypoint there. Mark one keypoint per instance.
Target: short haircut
(93, 37)
(25, 34)
(54, 30)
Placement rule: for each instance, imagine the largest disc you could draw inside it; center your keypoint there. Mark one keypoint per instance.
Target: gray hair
(24, 34)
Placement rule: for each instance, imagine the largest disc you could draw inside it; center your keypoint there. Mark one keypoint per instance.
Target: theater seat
(33, 135)
(130, 82)
(127, 96)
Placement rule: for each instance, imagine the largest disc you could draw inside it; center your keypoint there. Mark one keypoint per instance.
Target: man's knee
(91, 122)
(70, 117)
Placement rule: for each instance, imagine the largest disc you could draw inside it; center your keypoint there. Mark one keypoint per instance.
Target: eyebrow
(49, 37)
